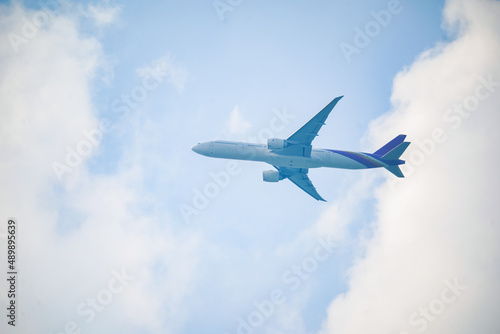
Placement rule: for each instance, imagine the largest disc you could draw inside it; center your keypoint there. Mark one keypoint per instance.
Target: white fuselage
(260, 152)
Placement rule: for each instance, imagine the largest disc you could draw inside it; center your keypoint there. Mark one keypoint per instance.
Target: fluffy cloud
(431, 265)
(175, 73)
(103, 14)
(87, 259)
(236, 123)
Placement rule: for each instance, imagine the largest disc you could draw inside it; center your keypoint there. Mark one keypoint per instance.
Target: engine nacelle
(276, 143)
(271, 176)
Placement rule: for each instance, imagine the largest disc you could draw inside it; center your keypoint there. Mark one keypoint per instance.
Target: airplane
(293, 157)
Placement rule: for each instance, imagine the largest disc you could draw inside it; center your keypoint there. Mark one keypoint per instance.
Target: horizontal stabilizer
(395, 153)
(395, 170)
(390, 145)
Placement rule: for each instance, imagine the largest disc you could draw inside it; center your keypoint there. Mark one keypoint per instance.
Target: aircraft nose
(196, 148)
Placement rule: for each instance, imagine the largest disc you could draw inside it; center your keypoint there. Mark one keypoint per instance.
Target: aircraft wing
(301, 180)
(306, 134)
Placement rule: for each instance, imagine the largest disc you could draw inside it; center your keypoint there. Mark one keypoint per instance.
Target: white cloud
(45, 104)
(103, 14)
(441, 223)
(175, 73)
(237, 124)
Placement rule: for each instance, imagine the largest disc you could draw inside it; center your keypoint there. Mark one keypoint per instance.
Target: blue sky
(264, 68)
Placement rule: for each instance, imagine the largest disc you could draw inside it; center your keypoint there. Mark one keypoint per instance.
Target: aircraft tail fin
(391, 152)
(390, 145)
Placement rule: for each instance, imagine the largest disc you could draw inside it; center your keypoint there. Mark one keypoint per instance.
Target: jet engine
(271, 176)
(276, 143)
